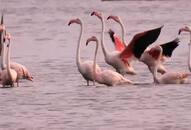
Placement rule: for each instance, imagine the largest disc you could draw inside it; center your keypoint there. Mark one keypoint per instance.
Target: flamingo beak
(93, 13)
(2, 19)
(69, 23)
(179, 32)
(30, 78)
(108, 17)
(87, 42)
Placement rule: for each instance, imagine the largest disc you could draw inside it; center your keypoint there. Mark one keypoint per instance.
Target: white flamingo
(107, 77)
(120, 45)
(121, 60)
(8, 75)
(84, 67)
(166, 78)
(187, 29)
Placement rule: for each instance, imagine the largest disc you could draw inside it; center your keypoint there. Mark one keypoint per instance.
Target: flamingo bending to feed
(107, 77)
(121, 60)
(84, 67)
(187, 29)
(8, 75)
(154, 56)
(22, 71)
(120, 45)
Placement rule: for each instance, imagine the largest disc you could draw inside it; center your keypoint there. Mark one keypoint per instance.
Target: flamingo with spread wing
(121, 61)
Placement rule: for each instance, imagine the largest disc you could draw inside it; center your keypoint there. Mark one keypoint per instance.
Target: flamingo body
(6, 79)
(111, 78)
(84, 67)
(107, 77)
(22, 71)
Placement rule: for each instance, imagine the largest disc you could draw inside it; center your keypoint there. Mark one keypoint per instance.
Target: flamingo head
(77, 21)
(186, 29)
(98, 14)
(93, 38)
(115, 18)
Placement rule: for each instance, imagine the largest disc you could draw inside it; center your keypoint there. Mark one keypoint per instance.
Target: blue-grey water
(59, 99)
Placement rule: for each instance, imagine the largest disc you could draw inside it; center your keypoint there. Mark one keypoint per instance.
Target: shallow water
(59, 98)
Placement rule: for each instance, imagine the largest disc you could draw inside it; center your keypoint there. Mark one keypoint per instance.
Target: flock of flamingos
(121, 59)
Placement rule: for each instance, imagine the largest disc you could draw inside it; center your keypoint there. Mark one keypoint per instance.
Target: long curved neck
(123, 32)
(3, 65)
(189, 57)
(8, 62)
(105, 52)
(95, 57)
(78, 58)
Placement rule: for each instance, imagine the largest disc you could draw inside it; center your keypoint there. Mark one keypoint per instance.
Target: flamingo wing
(140, 42)
(119, 46)
(169, 47)
(155, 53)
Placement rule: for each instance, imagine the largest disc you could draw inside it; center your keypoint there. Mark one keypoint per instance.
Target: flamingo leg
(17, 83)
(88, 83)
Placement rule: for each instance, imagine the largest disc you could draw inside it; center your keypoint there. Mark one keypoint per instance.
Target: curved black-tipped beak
(87, 42)
(108, 17)
(2, 19)
(179, 32)
(93, 13)
(69, 23)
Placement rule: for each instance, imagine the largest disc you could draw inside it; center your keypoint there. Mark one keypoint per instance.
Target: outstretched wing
(119, 46)
(169, 47)
(140, 42)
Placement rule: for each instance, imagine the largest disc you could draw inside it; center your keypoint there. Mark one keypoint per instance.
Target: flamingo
(8, 75)
(84, 67)
(120, 45)
(187, 29)
(22, 71)
(107, 77)
(121, 60)
(168, 77)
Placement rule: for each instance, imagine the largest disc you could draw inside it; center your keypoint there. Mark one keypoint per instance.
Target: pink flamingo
(120, 44)
(166, 78)
(107, 77)
(187, 29)
(138, 44)
(22, 71)
(8, 75)
(84, 67)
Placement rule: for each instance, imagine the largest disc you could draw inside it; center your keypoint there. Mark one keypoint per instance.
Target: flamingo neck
(105, 52)
(189, 58)
(78, 58)
(94, 66)
(8, 63)
(3, 65)
(123, 32)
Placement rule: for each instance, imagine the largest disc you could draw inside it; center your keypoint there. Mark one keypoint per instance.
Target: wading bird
(121, 61)
(107, 77)
(120, 45)
(84, 67)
